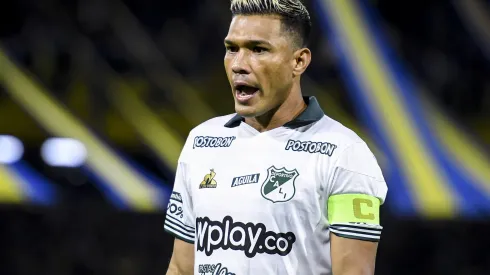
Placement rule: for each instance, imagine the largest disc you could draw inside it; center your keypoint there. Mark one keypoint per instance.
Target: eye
(231, 49)
(259, 49)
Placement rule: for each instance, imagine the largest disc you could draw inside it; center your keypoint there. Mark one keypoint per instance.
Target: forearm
(349, 269)
(173, 269)
(182, 261)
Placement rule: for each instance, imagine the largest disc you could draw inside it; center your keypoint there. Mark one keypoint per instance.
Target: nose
(240, 63)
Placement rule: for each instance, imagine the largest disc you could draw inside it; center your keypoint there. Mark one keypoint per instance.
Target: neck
(293, 106)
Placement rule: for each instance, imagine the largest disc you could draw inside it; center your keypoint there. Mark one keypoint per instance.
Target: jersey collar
(312, 113)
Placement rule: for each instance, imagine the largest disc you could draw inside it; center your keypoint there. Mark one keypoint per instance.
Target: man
(278, 187)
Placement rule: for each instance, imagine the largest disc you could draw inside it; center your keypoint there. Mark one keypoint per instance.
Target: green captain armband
(354, 216)
(353, 208)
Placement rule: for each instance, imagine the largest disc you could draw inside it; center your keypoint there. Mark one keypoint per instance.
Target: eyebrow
(250, 42)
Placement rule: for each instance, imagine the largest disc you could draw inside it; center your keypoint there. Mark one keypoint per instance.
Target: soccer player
(278, 187)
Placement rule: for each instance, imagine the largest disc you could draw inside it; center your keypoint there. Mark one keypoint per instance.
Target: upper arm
(182, 261)
(350, 256)
(180, 222)
(357, 189)
(355, 232)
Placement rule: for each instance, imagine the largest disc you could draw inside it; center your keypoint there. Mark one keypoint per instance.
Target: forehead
(255, 27)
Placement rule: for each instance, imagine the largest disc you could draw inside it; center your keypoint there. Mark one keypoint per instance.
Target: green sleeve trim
(373, 240)
(348, 208)
(178, 237)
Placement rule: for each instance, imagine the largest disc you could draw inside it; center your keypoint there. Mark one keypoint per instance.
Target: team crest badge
(279, 184)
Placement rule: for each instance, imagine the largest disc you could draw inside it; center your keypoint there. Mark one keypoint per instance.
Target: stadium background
(97, 97)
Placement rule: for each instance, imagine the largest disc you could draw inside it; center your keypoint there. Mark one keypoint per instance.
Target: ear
(302, 58)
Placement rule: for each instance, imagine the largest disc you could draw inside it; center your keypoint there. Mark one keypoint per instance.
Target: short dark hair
(294, 15)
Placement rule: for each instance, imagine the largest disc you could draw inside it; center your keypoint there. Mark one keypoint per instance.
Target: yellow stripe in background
(186, 98)
(129, 185)
(433, 197)
(462, 149)
(155, 132)
(10, 188)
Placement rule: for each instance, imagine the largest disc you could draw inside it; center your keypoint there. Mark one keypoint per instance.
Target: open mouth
(244, 93)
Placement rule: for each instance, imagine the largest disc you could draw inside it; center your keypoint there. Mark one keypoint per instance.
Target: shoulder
(351, 151)
(330, 130)
(353, 168)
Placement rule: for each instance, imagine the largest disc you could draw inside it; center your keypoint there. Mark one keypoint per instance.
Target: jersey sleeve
(179, 220)
(356, 191)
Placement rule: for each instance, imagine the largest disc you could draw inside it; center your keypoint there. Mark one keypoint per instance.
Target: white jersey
(265, 203)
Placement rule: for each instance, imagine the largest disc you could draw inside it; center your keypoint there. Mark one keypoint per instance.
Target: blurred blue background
(97, 98)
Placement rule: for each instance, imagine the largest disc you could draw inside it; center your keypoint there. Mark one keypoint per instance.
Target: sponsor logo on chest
(249, 238)
(248, 179)
(311, 147)
(212, 142)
